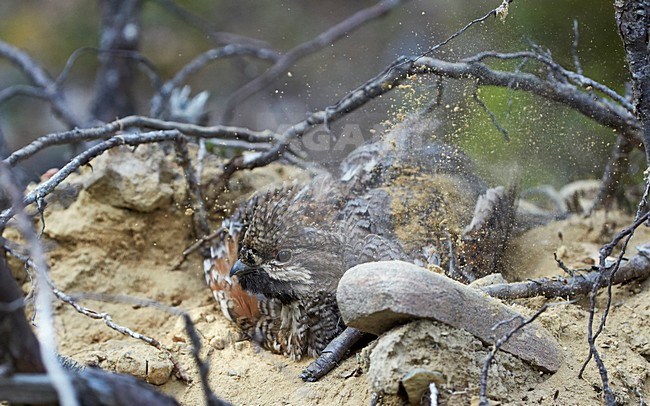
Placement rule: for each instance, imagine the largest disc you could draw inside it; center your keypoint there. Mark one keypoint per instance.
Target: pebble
(417, 381)
(218, 343)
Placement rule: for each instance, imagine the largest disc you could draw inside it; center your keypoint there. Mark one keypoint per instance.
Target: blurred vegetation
(549, 143)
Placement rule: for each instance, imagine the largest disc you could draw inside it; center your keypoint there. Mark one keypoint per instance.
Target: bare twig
(547, 60)
(502, 9)
(624, 235)
(574, 47)
(489, 112)
(633, 21)
(198, 244)
(147, 65)
(235, 137)
(127, 139)
(206, 27)
(636, 268)
(602, 111)
(159, 100)
(93, 314)
(331, 355)
(43, 301)
(22, 90)
(27, 384)
(616, 168)
(563, 266)
(108, 320)
(324, 39)
(483, 401)
(643, 203)
(41, 79)
(189, 328)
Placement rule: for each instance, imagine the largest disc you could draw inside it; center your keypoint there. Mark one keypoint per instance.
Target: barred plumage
(288, 248)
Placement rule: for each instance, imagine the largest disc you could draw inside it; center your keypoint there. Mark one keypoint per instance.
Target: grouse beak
(240, 269)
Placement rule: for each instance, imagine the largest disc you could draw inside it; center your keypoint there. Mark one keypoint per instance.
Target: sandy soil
(118, 239)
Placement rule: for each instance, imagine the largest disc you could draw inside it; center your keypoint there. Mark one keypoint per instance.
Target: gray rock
(491, 279)
(137, 180)
(376, 296)
(424, 351)
(145, 362)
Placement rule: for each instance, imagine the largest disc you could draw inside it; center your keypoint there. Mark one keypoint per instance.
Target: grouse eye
(283, 256)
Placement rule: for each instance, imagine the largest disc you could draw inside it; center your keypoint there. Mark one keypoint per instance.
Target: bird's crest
(285, 214)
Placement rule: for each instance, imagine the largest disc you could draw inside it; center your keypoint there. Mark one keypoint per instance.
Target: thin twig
(40, 78)
(495, 11)
(333, 34)
(624, 235)
(198, 244)
(190, 329)
(483, 401)
(574, 77)
(574, 47)
(147, 65)
(49, 185)
(160, 99)
(23, 90)
(206, 27)
(108, 320)
(43, 300)
(489, 112)
(636, 268)
(226, 136)
(602, 111)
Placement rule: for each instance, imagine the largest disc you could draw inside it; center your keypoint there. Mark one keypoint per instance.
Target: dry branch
(41, 79)
(636, 268)
(158, 102)
(43, 296)
(211, 398)
(324, 39)
(483, 401)
(226, 136)
(145, 63)
(633, 21)
(115, 78)
(603, 111)
(219, 37)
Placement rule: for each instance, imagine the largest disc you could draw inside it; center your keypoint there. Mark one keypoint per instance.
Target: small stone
(455, 361)
(196, 315)
(417, 381)
(492, 279)
(132, 180)
(241, 345)
(146, 363)
(210, 318)
(218, 343)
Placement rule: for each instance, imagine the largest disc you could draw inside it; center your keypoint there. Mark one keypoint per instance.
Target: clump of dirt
(441, 349)
(106, 239)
